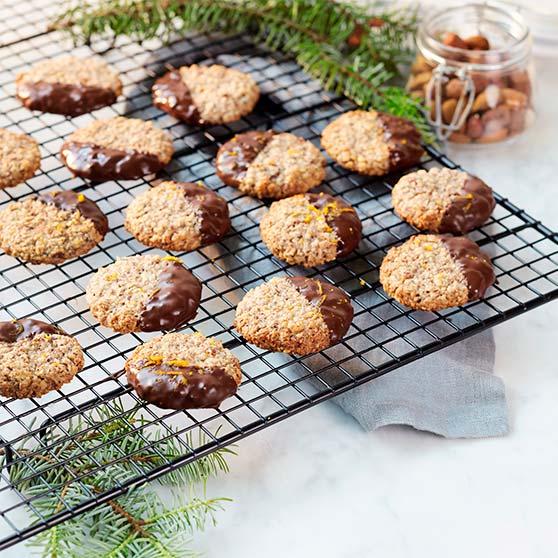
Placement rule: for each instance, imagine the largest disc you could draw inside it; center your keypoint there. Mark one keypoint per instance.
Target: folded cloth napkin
(452, 393)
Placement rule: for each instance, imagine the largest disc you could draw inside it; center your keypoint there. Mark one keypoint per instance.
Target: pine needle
(352, 50)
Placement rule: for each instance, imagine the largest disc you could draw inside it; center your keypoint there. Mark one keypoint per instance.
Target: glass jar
(474, 70)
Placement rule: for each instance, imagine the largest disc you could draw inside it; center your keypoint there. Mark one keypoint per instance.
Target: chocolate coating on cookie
(70, 201)
(342, 218)
(175, 302)
(98, 163)
(235, 156)
(16, 330)
(470, 209)
(334, 306)
(64, 98)
(189, 387)
(215, 220)
(403, 140)
(172, 95)
(475, 265)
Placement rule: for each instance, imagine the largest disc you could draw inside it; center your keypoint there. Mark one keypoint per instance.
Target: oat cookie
(432, 272)
(68, 85)
(270, 165)
(372, 143)
(143, 293)
(204, 95)
(311, 229)
(295, 315)
(117, 149)
(178, 216)
(180, 371)
(52, 227)
(19, 158)
(35, 358)
(443, 200)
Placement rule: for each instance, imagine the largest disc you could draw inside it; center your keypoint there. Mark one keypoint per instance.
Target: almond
(496, 118)
(514, 98)
(518, 117)
(418, 80)
(454, 40)
(477, 42)
(454, 88)
(458, 137)
(420, 65)
(448, 110)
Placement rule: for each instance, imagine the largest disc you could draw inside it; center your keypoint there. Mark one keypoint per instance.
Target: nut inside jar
(477, 86)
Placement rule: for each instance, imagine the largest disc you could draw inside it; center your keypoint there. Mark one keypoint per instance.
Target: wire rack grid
(384, 335)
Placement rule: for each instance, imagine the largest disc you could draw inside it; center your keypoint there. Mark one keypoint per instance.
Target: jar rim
(433, 48)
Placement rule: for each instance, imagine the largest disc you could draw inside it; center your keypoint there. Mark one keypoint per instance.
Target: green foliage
(99, 451)
(352, 50)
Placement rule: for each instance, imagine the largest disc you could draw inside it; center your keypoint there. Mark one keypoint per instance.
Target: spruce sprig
(352, 50)
(85, 461)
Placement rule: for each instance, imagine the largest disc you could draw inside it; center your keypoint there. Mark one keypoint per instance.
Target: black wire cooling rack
(383, 336)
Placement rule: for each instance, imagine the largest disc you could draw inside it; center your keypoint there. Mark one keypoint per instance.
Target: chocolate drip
(235, 156)
(342, 218)
(10, 332)
(215, 220)
(64, 98)
(172, 95)
(70, 201)
(476, 265)
(175, 302)
(334, 306)
(403, 139)
(470, 209)
(98, 163)
(190, 387)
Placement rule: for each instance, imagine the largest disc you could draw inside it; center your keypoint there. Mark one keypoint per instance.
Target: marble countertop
(318, 485)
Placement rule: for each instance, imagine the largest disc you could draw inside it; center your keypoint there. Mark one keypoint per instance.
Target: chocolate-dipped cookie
(372, 143)
(52, 227)
(19, 158)
(35, 358)
(443, 200)
(270, 165)
(179, 371)
(311, 229)
(178, 216)
(295, 315)
(432, 272)
(143, 293)
(204, 95)
(68, 85)
(117, 149)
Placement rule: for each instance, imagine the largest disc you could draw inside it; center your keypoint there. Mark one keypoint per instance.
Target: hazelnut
(477, 42)
(475, 127)
(454, 40)
(454, 88)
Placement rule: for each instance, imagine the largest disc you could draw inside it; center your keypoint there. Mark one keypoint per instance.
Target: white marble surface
(316, 485)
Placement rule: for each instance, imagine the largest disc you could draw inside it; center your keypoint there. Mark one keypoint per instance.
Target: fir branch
(136, 524)
(351, 50)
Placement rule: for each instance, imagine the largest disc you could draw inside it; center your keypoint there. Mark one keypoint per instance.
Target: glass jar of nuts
(474, 71)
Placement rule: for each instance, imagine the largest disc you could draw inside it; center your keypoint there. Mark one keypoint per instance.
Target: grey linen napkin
(452, 393)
